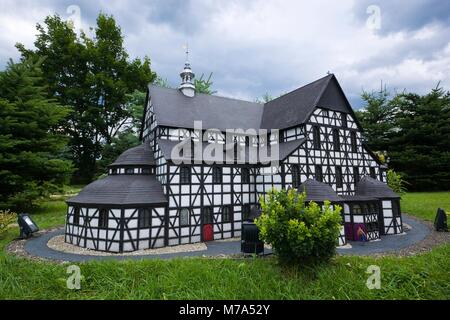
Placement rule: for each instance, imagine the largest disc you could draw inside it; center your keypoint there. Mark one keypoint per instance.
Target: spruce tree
(30, 137)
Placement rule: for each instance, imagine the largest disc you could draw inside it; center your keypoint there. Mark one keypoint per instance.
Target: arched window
(245, 175)
(344, 120)
(103, 218)
(316, 137)
(336, 142)
(319, 175)
(353, 141)
(226, 214)
(145, 215)
(217, 175)
(339, 181)
(207, 215)
(76, 215)
(185, 174)
(184, 217)
(295, 175)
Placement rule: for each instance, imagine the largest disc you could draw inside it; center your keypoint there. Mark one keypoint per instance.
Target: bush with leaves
(6, 218)
(299, 231)
(395, 182)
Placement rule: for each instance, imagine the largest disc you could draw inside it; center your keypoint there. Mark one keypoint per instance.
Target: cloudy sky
(258, 46)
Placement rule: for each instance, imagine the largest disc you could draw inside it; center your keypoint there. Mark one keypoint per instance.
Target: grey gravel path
(37, 246)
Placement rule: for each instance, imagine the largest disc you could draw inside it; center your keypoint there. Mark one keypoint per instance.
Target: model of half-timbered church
(186, 184)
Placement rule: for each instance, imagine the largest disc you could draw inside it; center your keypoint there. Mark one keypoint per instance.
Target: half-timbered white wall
(122, 232)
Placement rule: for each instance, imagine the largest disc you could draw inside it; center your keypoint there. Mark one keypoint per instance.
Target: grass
(425, 204)
(425, 276)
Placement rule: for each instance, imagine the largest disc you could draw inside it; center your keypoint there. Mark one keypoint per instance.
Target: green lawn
(425, 276)
(425, 204)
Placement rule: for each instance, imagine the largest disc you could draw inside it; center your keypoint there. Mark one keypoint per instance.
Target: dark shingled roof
(285, 149)
(318, 191)
(370, 187)
(294, 107)
(122, 190)
(138, 156)
(172, 108)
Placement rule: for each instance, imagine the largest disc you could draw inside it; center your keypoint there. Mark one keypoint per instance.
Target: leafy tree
(30, 137)
(264, 99)
(377, 119)
(396, 182)
(298, 232)
(204, 85)
(94, 77)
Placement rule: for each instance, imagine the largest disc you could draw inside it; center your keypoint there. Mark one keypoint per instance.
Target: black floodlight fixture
(440, 221)
(250, 242)
(27, 225)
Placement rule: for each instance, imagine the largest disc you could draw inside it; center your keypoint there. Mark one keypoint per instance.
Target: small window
(353, 141)
(295, 175)
(145, 216)
(185, 174)
(356, 209)
(325, 113)
(245, 212)
(76, 216)
(146, 170)
(344, 120)
(114, 171)
(129, 171)
(316, 137)
(207, 215)
(339, 177)
(356, 174)
(217, 175)
(184, 217)
(319, 176)
(226, 214)
(245, 175)
(372, 172)
(103, 218)
(336, 142)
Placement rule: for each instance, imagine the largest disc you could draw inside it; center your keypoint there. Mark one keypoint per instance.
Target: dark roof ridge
(213, 95)
(331, 75)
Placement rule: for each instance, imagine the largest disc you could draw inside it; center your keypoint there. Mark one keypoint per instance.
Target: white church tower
(187, 76)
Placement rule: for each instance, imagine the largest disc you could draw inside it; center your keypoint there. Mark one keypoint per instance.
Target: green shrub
(298, 232)
(6, 218)
(395, 182)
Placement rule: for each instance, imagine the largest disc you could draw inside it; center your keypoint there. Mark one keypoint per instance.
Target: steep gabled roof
(174, 109)
(294, 107)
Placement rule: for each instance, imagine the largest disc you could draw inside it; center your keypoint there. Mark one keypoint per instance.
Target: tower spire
(187, 86)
